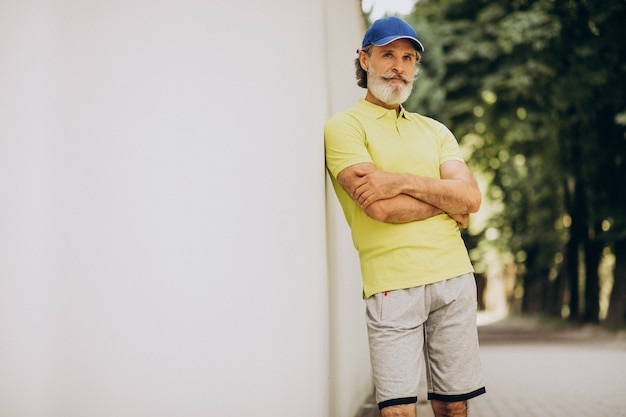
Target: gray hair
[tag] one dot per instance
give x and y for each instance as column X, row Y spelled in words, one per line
column 361, row 74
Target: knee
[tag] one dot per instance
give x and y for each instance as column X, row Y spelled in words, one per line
column 404, row 410
column 449, row 409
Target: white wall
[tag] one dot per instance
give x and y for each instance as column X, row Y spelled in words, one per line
column 351, row 381
column 163, row 247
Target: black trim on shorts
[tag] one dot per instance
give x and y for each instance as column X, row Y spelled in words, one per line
column 454, row 398
column 397, row 401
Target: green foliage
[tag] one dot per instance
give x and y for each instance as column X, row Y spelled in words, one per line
column 535, row 91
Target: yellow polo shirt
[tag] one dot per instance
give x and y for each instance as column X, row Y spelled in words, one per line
column 396, row 256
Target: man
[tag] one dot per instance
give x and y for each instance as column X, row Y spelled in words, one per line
column 405, row 190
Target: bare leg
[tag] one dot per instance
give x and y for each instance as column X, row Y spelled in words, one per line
column 405, row 410
column 449, row 409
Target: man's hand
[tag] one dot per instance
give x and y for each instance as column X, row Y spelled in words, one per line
column 375, row 185
column 400, row 208
column 382, row 196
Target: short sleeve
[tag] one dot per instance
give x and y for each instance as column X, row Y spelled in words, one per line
column 449, row 146
column 345, row 143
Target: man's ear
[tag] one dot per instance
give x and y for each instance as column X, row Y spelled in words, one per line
column 363, row 60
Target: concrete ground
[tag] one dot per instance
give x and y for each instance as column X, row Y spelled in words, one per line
column 537, row 370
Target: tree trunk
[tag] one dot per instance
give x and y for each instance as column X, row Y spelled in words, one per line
column 578, row 236
column 535, row 291
column 556, row 296
column 571, row 273
column 535, row 280
column 616, row 316
column 593, row 255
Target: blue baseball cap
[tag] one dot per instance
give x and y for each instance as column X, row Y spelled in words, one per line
column 387, row 30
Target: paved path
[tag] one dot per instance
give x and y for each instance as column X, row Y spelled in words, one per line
column 536, row 371
column 533, row 370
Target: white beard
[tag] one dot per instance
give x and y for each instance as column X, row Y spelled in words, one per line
column 389, row 92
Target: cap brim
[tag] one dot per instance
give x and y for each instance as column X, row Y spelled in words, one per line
column 386, row 41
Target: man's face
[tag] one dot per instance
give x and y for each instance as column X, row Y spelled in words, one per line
column 390, row 71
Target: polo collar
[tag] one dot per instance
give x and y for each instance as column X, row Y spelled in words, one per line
column 377, row 111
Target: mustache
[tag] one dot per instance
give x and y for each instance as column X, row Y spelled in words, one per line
column 390, row 75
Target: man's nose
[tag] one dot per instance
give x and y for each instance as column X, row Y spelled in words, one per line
column 397, row 66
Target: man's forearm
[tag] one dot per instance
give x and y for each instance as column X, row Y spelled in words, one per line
column 456, row 192
column 401, row 209
column 457, row 196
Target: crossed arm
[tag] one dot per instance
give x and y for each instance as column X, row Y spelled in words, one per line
column 402, row 198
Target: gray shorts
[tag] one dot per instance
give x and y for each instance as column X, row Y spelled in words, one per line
column 438, row 319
